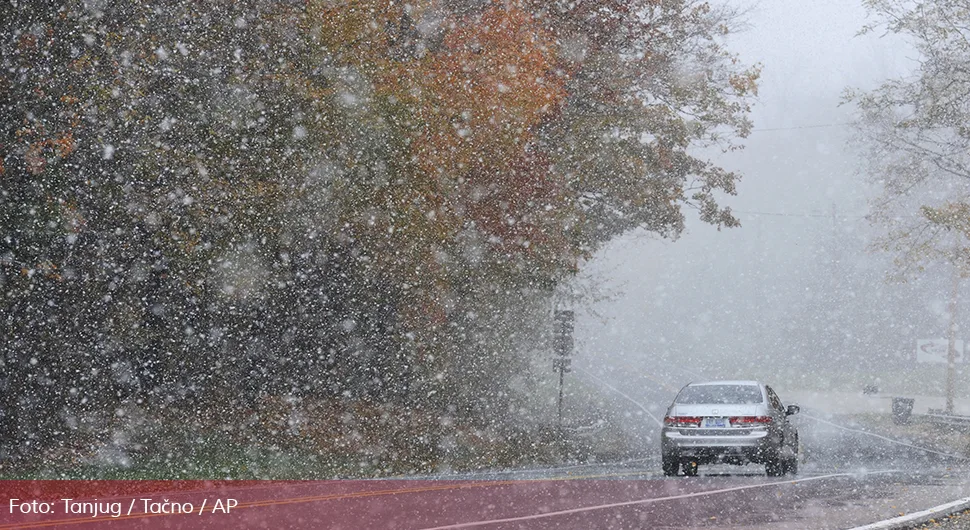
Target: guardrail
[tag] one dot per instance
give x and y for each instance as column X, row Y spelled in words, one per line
column 954, row 421
column 903, row 414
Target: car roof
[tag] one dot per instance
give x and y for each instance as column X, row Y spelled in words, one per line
column 732, row 382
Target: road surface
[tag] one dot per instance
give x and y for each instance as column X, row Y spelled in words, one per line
column 850, row 479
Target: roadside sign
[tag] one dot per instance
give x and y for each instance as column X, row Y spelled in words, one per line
column 562, row 341
column 934, row 351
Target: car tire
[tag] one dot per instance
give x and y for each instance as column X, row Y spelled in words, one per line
column 690, row 468
column 791, row 466
column 670, row 465
column 775, row 467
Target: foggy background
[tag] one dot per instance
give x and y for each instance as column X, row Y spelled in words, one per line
column 796, row 287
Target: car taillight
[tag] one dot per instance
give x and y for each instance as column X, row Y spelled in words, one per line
column 750, row 421
column 682, row 421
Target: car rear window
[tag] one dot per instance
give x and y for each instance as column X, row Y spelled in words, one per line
column 720, row 394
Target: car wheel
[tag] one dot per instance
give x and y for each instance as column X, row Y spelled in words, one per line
column 670, row 465
column 690, row 468
column 791, row 465
column 774, row 467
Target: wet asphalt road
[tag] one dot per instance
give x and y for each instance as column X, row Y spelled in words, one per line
column 849, row 479
column 919, row 479
column 615, row 497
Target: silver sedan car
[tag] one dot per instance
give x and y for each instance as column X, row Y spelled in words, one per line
column 733, row 422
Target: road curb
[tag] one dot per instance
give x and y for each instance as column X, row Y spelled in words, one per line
column 918, row 518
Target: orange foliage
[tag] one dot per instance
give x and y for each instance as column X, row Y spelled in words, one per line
column 467, row 95
column 474, row 97
column 493, row 81
column 514, row 208
column 362, row 32
column 36, row 155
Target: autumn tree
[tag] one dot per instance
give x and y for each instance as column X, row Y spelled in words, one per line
column 914, row 135
column 210, row 204
column 916, row 140
column 516, row 138
column 647, row 82
column 160, row 216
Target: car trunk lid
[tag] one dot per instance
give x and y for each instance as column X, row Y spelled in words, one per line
column 715, row 410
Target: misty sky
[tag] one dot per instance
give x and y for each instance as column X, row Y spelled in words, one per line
column 756, row 291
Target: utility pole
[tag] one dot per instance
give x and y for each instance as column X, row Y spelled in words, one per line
column 562, row 346
column 951, row 352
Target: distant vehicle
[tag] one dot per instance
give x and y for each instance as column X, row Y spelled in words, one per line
column 733, row 422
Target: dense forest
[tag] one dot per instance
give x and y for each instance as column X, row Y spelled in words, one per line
column 210, row 207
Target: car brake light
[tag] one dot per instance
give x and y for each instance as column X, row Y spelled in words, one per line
column 682, row 421
column 751, row 420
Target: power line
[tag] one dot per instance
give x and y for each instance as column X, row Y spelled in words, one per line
column 766, row 129
column 814, row 126
column 807, row 215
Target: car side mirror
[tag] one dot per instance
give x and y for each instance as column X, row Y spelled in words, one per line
column 792, row 409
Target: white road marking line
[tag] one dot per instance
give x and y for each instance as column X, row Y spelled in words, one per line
column 918, row 517
column 545, row 515
column 867, row 433
column 630, row 399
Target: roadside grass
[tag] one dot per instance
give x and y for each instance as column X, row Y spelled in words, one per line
column 286, row 438
column 188, row 454
column 283, row 439
column 902, row 380
column 919, row 431
column 617, row 429
column 224, row 463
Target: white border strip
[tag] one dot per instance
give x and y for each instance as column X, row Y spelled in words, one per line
column 867, row 433
column 647, row 501
column 915, row 518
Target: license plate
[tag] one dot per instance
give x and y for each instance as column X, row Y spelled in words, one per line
column 716, row 423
